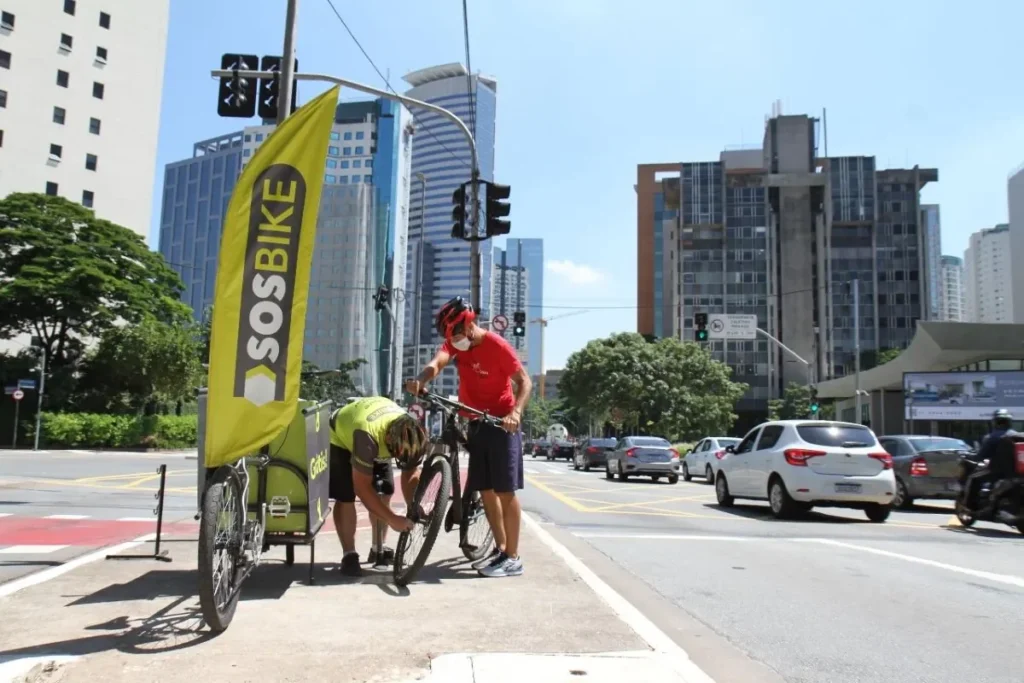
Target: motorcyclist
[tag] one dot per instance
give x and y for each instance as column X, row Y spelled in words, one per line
column 1002, row 425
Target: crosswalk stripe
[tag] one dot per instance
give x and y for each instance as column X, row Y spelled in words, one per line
column 31, row 549
column 66, row 517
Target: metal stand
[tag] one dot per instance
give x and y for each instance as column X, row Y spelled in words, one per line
column 378, row 530
column 157, row 554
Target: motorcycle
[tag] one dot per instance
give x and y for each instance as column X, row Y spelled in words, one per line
column 1009, row 508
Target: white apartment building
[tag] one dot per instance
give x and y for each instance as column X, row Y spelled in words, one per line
column 80, row 90
column 510, row 290
column 951, row 289
column 988, row 285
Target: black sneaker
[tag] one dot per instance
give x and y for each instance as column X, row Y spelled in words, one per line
column 387, row 557
column 350, row 565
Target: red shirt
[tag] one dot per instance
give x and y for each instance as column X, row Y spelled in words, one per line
column 485, row 374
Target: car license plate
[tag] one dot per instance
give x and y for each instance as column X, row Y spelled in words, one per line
column 847, row 488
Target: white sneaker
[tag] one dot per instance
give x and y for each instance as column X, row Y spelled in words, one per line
column 508, row 566
column 489, row 559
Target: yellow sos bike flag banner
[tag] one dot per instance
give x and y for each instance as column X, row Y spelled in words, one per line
column 259, row 307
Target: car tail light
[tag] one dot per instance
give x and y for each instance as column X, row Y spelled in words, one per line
column 798, row 457
column 886, row 460
column 720, row 454
column 592, row 449
column 1018, row 449
column 631, row 453
column 919, row 468
column 674, row 453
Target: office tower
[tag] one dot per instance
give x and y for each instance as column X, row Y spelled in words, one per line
column 365, row 202
column 1015, row 204
column 80, row 89
column 511, row 286
column 988, row 276
column 951, row 289
column 932, row 226
column 532, row 258
column 782, row 233
column 440, row 163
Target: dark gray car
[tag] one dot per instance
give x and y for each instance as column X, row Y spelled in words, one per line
column 925, row 466
column 593, row 452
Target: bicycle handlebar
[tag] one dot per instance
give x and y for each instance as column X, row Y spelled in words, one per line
column 455, row 406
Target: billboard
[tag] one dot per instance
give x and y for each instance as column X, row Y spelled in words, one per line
column 962, row 395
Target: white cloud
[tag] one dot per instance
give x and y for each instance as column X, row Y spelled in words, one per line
column 574, row 273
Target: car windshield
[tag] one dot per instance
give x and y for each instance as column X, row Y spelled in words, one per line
column 648, row 441
column 725, row 443
column 938, row 444
column 607, row 443
column 835, row 434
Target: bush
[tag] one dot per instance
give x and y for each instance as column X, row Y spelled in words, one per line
column 683, row 448
column 90, row 430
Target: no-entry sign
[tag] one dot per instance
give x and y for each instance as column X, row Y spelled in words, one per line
column 18, row 395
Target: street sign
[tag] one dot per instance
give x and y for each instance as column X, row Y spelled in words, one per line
column 725, row 326
column 10, row 390
column 18, row 395
column 26, row 384
column 416, row 410
column 499, row 323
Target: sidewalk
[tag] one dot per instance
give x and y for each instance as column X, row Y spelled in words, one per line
column 139, row 620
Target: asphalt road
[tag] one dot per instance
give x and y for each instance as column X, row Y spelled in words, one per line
column 57, row 505
column 827, row 598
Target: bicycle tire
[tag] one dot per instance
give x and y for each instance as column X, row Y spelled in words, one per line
column 403, row 574
column 469, row 503
column 218, row 618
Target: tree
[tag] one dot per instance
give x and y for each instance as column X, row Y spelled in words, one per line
column 66, row 275
column 886, row 355
column 330, row 385
column 795, row 404
column 670, row 388
column 136, row 366
column 538, row 415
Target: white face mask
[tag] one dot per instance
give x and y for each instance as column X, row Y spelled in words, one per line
column 461, row 345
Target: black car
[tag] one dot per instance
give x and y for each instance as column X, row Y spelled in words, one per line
column 593, row 453
column 561, row 449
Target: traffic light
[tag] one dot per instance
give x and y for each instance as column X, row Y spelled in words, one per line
column 381, row 298
column 237, row 96
column 270, row 88
column 815, row 405
column 700, row 325
column 459, row 212
column 497, row 209
column 519, row 324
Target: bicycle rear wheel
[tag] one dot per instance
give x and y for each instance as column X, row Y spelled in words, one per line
column 431, row 497
column 476, row 537
column 221, row 531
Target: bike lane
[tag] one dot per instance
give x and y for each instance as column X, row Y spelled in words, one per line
column 139, row 620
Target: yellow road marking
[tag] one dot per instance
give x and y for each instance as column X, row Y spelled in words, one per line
column 645, row 503
column 557, row 495
column 132, row 475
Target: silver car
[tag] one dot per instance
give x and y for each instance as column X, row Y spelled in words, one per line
column 646, row 456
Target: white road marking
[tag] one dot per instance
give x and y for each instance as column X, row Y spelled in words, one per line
column 6, row 514
column 137, row 519
column 31, row 549
column 656, row 639
column 12, row 587
column 529, row 471
column 66, row 517
column 1007, row 579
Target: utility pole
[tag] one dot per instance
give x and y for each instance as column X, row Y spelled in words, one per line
column 418, row 298
column 287, row 83
column 856, row 345
column 42, row 390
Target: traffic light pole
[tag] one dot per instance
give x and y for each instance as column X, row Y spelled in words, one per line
column 286, row 84
column 812, row 379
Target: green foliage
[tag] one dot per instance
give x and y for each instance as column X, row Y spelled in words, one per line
column 538, row 416
column 332, row 385
column 135, row 366
column 668, row 388
column 66, row 275
column 886, row 355
column 795, row 404
column 90, row 430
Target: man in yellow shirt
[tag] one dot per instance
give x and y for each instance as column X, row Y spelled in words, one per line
column 365, row 435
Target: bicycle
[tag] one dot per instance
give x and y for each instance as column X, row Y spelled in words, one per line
column 466, row 509
column 233, row 523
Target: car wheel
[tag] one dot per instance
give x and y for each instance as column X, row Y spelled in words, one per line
column 709, row 476
column 586, row 466
column 673, row 479
column 607, row 471
column 877, row 513
column 655, row 478
column 722, row 492
column 902, row 499
column 622, row 473
column 576, row 464
column 686, row 473
column 781, row 503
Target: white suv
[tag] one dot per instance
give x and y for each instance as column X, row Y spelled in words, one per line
column 799, row 464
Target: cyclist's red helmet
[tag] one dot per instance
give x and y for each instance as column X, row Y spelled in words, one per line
column 456, row 311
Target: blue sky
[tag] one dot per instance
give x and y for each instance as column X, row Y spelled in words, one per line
column 587, row 89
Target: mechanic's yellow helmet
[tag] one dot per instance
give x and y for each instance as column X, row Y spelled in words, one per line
column 406, row 440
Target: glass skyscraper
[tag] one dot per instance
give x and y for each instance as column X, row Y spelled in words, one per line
column 533, row 260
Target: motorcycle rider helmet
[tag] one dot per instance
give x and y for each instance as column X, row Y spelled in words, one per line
column 456, row 311
column 1002, row 419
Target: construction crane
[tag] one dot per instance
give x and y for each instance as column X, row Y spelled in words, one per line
column 543, row 322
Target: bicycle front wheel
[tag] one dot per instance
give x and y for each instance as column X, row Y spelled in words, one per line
column 476, row 535
column 432, row 495
column 221, row 531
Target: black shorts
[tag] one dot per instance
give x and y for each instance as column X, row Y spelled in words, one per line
column 495, row 459
column 341, row 487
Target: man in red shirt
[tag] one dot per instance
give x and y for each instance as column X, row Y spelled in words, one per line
column 488, row 366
